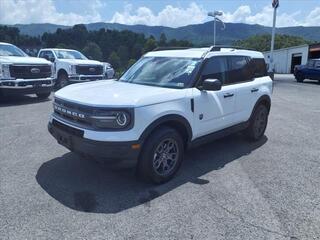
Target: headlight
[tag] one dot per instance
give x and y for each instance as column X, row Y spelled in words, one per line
column 112, row 120
column 53, row 69
column 4, row 71
column 72, row 69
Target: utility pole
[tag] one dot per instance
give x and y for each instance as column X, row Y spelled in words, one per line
column 215, row 19
column 275, row 5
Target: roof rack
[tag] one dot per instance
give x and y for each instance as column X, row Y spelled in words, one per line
column 218, row 48
column 169, row 48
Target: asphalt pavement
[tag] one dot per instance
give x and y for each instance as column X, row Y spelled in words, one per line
column 228, row 189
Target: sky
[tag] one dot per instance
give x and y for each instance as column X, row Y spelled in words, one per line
column 171, row 13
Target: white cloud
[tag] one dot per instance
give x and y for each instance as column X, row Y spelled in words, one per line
column 313, row 19
column 265, row 17
column 169, row 16
column 44, row 11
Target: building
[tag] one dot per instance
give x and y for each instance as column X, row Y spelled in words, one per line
column 287, row 58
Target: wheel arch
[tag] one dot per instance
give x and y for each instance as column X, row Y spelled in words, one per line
column 62, row 71
column 175, row 121
column 265, row 100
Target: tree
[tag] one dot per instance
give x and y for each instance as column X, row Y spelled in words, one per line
column 163, row 40
column 123, row 55
column 150, row 45
column 114, row 60
column 93, row 51
column 262, row 42
column 131, row 62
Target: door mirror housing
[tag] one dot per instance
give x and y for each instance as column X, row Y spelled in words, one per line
column 211, row 85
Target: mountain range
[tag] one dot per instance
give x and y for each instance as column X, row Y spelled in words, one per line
column 199, row 34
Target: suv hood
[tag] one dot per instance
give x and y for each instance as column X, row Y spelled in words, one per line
column 80, row 61
column 23, row 60
column 110, row 93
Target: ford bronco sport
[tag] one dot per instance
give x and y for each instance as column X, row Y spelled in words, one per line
column 167, row 102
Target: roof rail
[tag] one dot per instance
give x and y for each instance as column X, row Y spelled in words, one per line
column 218, row 48
column 169, row 48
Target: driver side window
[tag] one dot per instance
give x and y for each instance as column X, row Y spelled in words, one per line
column 215, row 68
column 47, row 55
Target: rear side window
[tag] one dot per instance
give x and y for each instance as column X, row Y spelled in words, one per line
column 259, row 67
column 239, row 70
column 215, row 68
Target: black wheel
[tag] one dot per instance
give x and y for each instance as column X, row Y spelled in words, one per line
column 62, row 81
column 161, row 156
column 299, row 78
column 43, row 95
column 258, row 123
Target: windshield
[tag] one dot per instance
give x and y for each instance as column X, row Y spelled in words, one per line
column 69, row 54
column 162, row 71
column 10, row 50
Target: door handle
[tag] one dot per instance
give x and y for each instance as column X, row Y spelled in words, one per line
column 254, row 90
column 227, row 95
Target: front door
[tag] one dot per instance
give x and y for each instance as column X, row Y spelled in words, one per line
column 213, row 110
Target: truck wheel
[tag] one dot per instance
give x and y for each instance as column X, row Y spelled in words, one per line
column 299, row 78
column 62, row 81
column 258, row 123
column 43, row 95
column 161, row 156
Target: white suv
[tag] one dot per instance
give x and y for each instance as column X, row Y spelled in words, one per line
column 21, row 74
column 72, row 66
column 167, row 102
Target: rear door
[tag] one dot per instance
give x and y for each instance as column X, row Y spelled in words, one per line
column 246, row 76
column 213, row 110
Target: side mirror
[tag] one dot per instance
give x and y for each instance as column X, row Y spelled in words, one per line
column 211, row 85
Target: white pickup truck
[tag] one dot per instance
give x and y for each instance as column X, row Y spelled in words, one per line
column 21, row 74
column 72, row 66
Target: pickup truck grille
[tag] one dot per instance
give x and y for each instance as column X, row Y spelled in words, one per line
column 30, row 71
column 89, row 69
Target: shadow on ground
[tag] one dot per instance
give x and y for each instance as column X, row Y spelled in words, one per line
column 87, row 186
column 16, row 100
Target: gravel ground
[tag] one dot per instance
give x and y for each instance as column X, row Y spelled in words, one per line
column 228, row 189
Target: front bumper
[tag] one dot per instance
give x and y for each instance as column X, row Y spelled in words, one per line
column 85, row 78
column 115, row 153
column 26, row 86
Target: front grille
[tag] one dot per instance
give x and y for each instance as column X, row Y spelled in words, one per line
column 89, row 69
column 68, row 129
column 30, row 71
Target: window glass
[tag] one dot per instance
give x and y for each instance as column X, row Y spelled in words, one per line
column 215, row 68
column 258, row 67
column 162, row 71
column 311, row 63
column 317, row 65
column 239, row 70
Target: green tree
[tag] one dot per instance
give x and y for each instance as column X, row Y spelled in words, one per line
column 114, row 60
column 93, row 51
column 131, row 62
column 262, row 42
column 150, row 45
column 163, row 40
column 123, row 55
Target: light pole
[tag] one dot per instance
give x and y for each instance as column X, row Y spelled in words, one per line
column 215, row 18
column 275, row 5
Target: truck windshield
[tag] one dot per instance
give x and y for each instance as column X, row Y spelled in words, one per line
column 69, row 54
column 10, row 50
column 162, row 71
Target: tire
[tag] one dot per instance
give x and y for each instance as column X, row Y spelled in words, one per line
column 62, row 80
column 299, row 78
column 154, row 163
column 258, row 123
column 43, row 95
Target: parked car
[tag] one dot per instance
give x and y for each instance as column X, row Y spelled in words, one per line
column 21, row 74
column 167, row 102
column 72, row 66
column 309, row 71
column 108, row 70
